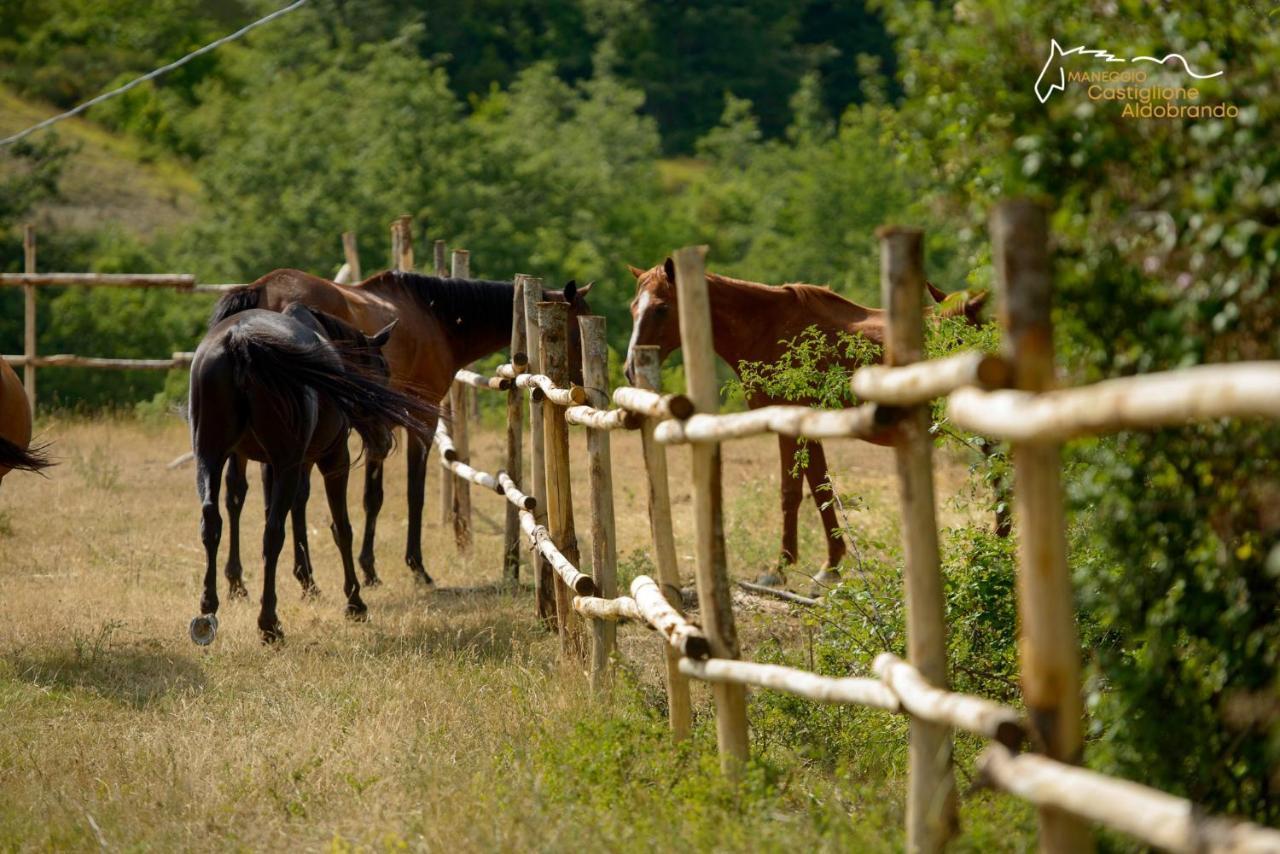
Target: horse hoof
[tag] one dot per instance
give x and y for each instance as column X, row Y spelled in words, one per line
column 238, row 590
column 769, row 578
column 372, row 580
column 310, row 591
column 824, row 581
column 204, row 629
column 272, row 635
column 425, row 581
column 357, row 613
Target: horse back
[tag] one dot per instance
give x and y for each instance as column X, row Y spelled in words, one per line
column 15, row 412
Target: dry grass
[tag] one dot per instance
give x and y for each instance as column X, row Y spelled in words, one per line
column 441, row 724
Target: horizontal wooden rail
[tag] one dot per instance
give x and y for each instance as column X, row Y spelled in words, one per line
column 602, row 419
column 659, row 613
column 580, row 584
column 574, row 395
column 69, row 360
column 651, row 403
column 854, row 690
column 1152, row 816
column 962, row 711
column 618, row 610
column 471, row 378
column 444, row 442
column 513, row 493
column 778, row 593
column 859, row 422
column 518, row 365
column 180, row 281
column 473, row 475
column 1169, row 398
column 921, row 382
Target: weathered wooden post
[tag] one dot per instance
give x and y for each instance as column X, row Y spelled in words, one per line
column 543, row 578
column 446, row 406
column 931, row 795
column 648, row 369
column 553, row 323
column 29, row 316
column 351, row 254
column 458, row 430
column 1048, row 647
column 404, row 260
column 396, row 250
column 515, row 441
column 714, row 593
column 604, row 557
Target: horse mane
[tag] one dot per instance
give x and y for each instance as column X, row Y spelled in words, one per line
column 809, row 297
column 455, row 302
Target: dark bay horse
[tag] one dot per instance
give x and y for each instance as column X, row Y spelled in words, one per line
column 445, row 324
column 286, row 389
column 15, row 427
column 752, row 322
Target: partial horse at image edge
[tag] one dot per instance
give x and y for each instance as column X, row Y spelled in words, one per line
column 16, row 451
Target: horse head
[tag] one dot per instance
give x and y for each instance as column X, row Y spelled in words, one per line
column 576, row 298
column 965, row 303
column 655, row 319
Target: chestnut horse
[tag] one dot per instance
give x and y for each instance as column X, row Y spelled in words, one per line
column 286, row 389
column 444, row 325
column 751, row 322
column 15, row 427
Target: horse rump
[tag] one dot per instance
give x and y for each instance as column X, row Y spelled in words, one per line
column 33, row 458
column 235, row 301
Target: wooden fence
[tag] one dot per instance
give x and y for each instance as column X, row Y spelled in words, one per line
column 1009, row 397
column 30, row 281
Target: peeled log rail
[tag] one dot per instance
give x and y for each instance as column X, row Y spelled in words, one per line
column 923, row 381
column 602, row 419
column 1169, row 398
column 778, row 593
column 514, row 495
column 541, row 538
column 614, row 610
column 657, row 612
column 445, row 444
column 181, row 281
column 572, row 396
column 853, row 690
column 644, row 402
column 69, row 360
column 860, row 422
column 518, row 365
column 1156, row 818
column 471, row 378
column 963, row 711
column 466, row 472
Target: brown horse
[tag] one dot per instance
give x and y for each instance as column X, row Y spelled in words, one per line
column 751, row 322
column 15, row 427
column 444, row 325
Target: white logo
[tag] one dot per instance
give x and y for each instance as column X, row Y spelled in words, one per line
column 1045, row 85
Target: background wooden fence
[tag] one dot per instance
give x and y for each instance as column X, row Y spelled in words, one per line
column 1010, row 397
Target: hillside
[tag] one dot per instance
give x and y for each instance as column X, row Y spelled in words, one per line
column 109, row 179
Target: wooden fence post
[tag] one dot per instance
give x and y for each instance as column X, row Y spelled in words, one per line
column 715, row 599
column 446, row 405
column 458, row 430
column 352, row 255
column 29, row 316
column 931, row 793
column 553, row 323
column 515, row 441
column 543, row 578
column 404, row 260
column 604, row 556
column 648, row 369
column 1049, row 647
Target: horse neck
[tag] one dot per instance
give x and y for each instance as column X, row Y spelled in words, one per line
column 743, row 315
column 480, row 337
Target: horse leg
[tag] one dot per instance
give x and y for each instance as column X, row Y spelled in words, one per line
column 237, row 489
column 335, row 468
column 208, row 471
column 372, row 506
column 417, row 451
column 816, row 475
column 301, row 553
column 284, row 486
column 792, row 494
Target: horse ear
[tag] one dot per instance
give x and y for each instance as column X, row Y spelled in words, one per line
column 934, row 291
column 570, row 291
column 383, row 335
column 635, row 271
column 974, row 304
column 669, row 267
column 585, row 289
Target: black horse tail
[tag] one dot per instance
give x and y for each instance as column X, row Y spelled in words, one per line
column 33, row 458
column 284, row 366
column 235, row 301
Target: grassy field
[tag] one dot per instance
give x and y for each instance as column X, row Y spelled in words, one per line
column 444, row 723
